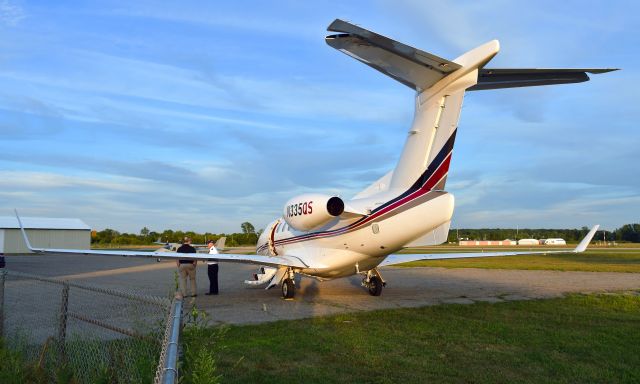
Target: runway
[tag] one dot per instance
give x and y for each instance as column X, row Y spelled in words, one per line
column 406, row 287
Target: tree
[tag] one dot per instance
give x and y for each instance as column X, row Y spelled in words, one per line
column 144, row 232
column 247, row 227
column 630, row 232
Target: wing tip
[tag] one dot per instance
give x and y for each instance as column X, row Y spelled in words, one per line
column 24, row 233
column 584, row 243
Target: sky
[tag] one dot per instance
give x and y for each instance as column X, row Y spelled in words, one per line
column 203, row 115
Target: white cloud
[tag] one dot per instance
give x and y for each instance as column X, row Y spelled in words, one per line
column 10, row 13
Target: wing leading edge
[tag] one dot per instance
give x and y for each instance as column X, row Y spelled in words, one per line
column 405, row 258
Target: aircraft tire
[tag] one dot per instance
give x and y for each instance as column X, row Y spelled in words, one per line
column 288, row 289
column 375, row 286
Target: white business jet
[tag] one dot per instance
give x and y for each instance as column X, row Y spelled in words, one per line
column 326, row 237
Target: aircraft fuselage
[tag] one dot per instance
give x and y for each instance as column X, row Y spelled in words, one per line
column 347, row 246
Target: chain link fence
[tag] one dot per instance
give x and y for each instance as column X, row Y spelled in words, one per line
column 98, row 334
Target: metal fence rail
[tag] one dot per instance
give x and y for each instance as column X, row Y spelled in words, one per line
column 99, row 333
column 167, row 371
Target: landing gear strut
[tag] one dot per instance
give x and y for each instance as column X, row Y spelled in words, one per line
column 374, row 282
column 288, row 285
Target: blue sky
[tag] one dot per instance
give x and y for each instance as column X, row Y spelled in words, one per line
column 202, row 115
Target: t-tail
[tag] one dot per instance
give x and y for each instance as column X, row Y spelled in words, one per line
column 440, row 85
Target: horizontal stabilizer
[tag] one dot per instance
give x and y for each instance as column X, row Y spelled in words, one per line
column 410, row 66
column 525, row 77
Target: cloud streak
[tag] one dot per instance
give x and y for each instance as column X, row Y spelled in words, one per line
column 10, row 14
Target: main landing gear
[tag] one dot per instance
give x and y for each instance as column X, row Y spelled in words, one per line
column 374, row 282
column 288, row 285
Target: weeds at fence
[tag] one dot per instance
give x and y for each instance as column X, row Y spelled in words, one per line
column 122, row 362
column 18, row 369
column 201, row 345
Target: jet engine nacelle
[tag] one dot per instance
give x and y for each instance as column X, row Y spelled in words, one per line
column 311, row 210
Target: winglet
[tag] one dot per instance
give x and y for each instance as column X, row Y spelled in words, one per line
column 24, row 233
column 587, row 239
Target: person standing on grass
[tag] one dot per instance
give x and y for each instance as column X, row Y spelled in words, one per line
column 187, row 268
column 212, row 270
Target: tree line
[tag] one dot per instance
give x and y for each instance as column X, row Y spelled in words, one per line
column 626, row 233
column 108, row 236
column 249, row 236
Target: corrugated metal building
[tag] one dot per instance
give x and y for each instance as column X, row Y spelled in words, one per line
column 43, row 232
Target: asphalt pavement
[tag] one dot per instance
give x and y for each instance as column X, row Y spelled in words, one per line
column 238, row 303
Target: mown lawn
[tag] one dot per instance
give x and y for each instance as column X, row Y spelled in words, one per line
column 595, row 261
column 578, row 339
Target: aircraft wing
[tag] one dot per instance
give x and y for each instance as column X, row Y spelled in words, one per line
column 275, row 261
column 405, row 258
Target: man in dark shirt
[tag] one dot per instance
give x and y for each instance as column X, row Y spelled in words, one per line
column 187, row 268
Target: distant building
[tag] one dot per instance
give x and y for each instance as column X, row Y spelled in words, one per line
column 486, row 242
column 528, row 242
column 555, row 242
column 43, row 233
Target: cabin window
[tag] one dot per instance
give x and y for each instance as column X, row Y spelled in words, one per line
column 375, row 228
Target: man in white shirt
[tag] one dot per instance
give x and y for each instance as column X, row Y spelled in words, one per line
column 212, row 270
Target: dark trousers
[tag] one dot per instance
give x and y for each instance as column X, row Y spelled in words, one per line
column 212, row 271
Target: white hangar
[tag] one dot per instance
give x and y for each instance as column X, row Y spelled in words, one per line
column 43, row 232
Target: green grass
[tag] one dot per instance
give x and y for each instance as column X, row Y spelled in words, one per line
column 578, row 339
column 595, row 261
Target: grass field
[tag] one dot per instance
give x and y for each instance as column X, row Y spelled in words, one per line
column 578, row 339
column 597, row 260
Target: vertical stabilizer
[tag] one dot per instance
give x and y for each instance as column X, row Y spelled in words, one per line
column 427, row 150
column 439, row 84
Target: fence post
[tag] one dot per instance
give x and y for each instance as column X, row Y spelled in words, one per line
column 2, row 277
column 170, row 369
column 62, row 325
